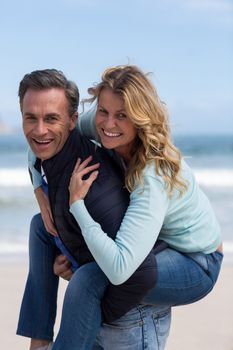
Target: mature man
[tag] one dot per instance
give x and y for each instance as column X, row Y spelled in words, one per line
column 48, row 103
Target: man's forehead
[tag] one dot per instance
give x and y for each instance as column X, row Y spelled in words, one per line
column 54, row 97
column 46, row 93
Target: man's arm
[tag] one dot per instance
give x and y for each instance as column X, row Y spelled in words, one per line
column 45, row 210
column 36, row 177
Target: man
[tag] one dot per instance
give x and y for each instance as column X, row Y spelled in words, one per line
column 48, row 103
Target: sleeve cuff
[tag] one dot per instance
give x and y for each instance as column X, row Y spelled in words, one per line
column 80, row 213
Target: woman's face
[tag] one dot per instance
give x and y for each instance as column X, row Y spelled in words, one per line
column 115, row 129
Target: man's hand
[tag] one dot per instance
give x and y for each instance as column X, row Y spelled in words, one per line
column 45, row 210
column 61, row 267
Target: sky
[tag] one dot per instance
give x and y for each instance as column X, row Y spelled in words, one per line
column 187, row 45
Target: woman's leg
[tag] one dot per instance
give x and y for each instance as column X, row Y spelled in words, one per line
column 81, row 314
column 183, row 278
column 38, row 309
column 144, row 327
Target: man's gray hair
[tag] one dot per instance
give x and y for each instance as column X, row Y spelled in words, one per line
column 47, row 79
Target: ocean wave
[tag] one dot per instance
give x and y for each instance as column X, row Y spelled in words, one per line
column 14, row 250
column 214, row 177
column 17, row 177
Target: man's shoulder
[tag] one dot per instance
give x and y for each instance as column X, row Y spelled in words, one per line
column 91, row 148
column 109, row 171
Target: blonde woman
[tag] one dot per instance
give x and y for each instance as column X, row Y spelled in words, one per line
column 165, row 200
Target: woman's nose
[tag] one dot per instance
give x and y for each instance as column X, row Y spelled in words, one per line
column 110, row 122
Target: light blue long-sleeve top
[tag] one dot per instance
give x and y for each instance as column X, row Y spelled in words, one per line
column 186, row 223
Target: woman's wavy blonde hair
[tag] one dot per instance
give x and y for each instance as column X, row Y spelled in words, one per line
column 149, row 116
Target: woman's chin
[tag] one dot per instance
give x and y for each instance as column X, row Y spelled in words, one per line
column 108, row 144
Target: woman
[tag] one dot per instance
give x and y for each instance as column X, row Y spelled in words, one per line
column 165, row 200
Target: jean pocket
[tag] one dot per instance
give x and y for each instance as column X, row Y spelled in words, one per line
column 123, row 325
column 201, row 259
column 123, row 336
column 162, row 323
column 130, row 320
column 218, row 254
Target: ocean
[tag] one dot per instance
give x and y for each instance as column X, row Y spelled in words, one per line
column 211, row 158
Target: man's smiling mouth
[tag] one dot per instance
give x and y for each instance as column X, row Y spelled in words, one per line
column 42, row 142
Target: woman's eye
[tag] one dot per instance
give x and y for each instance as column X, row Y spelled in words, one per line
column 102, row 111
column 121, row 116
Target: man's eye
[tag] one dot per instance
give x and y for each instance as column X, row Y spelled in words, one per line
column 51, row 118
column 30, row 118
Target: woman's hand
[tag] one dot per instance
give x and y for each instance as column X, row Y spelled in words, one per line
column 45, row 210
column 61, row 267
column 78, row 187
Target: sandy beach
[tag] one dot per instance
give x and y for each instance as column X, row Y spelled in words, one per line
column 206, row 325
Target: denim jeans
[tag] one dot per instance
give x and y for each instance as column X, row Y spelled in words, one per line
column 182, row 279
column 144, row 327
column 81, row 315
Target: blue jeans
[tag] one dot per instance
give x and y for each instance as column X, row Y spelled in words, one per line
column 144, row 327
column 81, row 314
column 182, row 279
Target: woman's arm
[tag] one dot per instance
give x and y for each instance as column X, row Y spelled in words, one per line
column 137, row 235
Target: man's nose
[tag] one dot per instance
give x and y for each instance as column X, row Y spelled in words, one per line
column 40, row 128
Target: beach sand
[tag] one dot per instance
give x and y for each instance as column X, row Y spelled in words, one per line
column 205, row 325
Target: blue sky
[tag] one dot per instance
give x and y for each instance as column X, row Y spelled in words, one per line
column 186, row 44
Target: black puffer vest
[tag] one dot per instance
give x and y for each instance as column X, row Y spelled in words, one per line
column 106, row 202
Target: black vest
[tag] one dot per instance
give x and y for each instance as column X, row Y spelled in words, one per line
column 106, row 201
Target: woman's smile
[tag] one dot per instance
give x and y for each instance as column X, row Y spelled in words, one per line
column 115, row 129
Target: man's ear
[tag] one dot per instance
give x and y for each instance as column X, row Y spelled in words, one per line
column 74, row 119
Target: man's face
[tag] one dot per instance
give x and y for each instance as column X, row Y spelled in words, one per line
column 46, row 121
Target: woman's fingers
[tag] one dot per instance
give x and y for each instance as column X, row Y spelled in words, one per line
column 92, row 178
column 79, row 187
column 87, row 170
column 80, row 166
column 77, row 165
